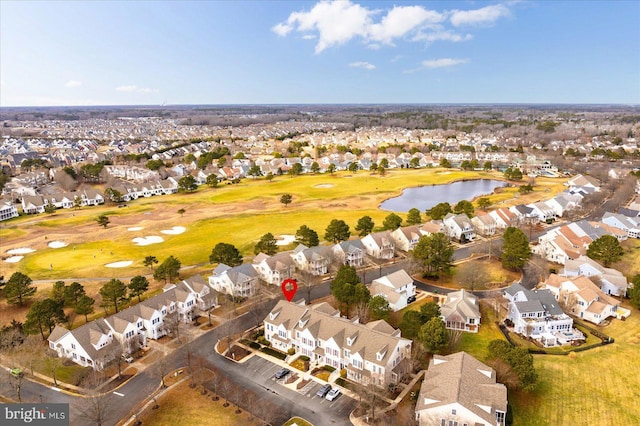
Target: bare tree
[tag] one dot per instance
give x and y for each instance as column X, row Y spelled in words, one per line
column 32, row 350
column 95, row 407
column 472, row 275
column 362, row 311
column 454, row 339
column 505, row 374
column 52, row 362
column 171, row 324
column 16, row 376
column 224, row 389
column 306, row 281
column 161, row 368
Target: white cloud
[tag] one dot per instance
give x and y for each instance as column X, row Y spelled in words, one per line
column 401, row 20
column 443, row 62
column 442, row 35
column 336, row 22
column 134, row 88
column 485, row 16
column 282, row 29
column 73, row 83
column 362, row 64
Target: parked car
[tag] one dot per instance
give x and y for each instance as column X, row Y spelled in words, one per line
column 322, row 392
column 411, row 299
column 282, row 373
column 333, row 394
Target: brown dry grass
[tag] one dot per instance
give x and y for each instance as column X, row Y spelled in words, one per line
column 185, row 406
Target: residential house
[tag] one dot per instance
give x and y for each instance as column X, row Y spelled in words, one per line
column 484, row 224
column 91, row 197
column 538, row 315
column 584, row 182
column 274, row 269
column 32, row 204
column 205, row 298
column 372, row 353
column 90, row 345
column 7, row 209
column 583, row 298
column 237, row 281
column 314, row 260
column 379, row 245
column 350, row 252
column 461, row 312
column 397, row 288
column 459, row 227
column 561, row 244
column 610, row 281
column 542, row 211
column 460, row 390
column 504, row 218
column 631, row 225
column 431, row 227
column 406, row 237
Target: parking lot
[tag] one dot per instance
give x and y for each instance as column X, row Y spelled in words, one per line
column 263, row 372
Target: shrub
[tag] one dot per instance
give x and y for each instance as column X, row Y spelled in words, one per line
column 329, row 368
column 269, row 351
column 343, row 373
column 304, row 358
column 254, row 345
column 291, row 351
column 341, row 382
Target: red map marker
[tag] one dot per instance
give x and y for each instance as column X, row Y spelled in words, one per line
column 289, row 288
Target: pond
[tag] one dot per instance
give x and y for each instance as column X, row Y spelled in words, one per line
column 425, row 197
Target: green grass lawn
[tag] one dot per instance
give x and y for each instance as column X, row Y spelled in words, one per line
column 237, row 214
column 599, row 386
column 476, row 344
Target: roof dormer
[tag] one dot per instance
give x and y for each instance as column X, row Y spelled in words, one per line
column 352, row 339
column 274, row 314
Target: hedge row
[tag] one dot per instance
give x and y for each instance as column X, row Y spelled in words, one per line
column 281, row 356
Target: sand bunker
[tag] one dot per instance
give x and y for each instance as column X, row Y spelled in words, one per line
column 122, row 264
column 57, row 244
column 284, row 240
column 22, row 250
column 174, row 231
column 154, row 239
column 135, row 228
column 324, row 185
column 14, row 259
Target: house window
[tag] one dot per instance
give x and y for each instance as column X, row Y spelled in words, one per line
column 73, row 346
column 453, row 412
column 443, row 422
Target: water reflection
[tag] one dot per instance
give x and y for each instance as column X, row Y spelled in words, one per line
column 425, row 197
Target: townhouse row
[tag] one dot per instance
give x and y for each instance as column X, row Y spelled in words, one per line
column 98, row 342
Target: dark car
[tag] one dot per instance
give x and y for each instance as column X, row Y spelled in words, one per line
column 324, row 390
column 411, row 299
column 282, row 373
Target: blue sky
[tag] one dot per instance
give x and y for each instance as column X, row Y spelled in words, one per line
column 257, row 52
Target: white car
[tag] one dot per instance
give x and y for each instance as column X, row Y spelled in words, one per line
column 333, row 394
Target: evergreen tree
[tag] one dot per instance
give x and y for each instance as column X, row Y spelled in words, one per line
column 337, row 231
column 18, row 288
column 267, row 245
column 606, row 249
column 307, row 236
column 225, row 253
column 364, row 226
column 413, row 217
column 515, row 249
